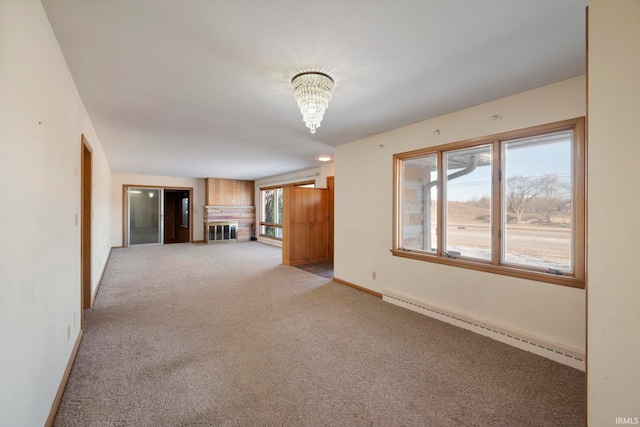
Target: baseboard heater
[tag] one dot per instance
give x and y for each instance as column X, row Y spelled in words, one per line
column 215, row 232
column 566, row 356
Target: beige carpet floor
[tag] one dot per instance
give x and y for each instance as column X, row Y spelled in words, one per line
column 224, row 335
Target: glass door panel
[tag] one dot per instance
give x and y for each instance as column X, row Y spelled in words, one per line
column 144, row 216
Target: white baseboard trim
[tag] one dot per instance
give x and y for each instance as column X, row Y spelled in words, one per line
column 553, row 351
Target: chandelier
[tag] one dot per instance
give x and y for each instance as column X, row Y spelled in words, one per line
column 312, row 91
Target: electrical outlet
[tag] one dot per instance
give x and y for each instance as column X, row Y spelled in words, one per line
column 373, row 275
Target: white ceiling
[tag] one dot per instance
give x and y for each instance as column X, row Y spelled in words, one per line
column 200, row 88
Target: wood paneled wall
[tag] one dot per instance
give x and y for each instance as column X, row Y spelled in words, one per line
column 229, row 192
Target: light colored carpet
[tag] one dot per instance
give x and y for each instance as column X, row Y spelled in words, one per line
column 223, row 335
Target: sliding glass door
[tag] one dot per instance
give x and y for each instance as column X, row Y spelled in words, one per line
column 144, row 216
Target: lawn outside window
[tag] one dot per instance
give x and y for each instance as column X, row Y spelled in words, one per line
column 511, row 204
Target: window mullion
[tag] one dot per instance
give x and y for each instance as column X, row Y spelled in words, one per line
column 496, row 205
column 442, row 174
column 578, row 239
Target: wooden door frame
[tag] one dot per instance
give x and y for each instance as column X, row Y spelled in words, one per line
column 331, row 188
column 86, row 183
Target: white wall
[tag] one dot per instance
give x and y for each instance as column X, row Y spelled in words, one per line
column 614, row 237
column 101, row 210
column 327, row 169
column 363, row 223
column 121, row 179
column 41, row 121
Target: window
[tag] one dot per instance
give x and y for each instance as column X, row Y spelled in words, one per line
column 509, row 204
column 271, row 209
column 271, row 212
column 185, row 212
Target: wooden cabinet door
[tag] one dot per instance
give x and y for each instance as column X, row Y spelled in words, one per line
column 305, row 225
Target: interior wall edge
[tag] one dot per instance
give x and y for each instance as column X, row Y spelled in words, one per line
column 63, row 382
column 104, row 268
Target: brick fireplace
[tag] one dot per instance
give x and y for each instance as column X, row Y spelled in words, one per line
column 244, row 216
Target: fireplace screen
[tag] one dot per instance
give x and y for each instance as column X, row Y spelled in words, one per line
column 220, row 231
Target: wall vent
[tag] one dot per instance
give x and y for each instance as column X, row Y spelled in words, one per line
column 570, row 357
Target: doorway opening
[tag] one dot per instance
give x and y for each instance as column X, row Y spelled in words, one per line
column 177, row 210
column 86, row 160
column 157, row 215
column 308, row 232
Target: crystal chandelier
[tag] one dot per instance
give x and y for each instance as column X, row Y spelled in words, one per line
column 312, row 91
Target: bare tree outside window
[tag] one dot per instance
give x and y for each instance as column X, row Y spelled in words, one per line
column 521, row 190
column 554, row 197
column 537, row 188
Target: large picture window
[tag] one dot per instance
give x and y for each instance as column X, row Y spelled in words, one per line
column 271, row 212
column 271, row 209
column 511, row 204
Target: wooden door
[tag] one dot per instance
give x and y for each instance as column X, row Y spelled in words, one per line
column 305, row 225
column 86, row 164
column 330, row 189
column 169, row 217
column 183, row 223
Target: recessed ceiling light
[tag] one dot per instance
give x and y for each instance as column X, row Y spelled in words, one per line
column 324, row 158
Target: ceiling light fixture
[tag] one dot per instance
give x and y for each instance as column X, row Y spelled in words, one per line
column 312, row 91
column 324, row 158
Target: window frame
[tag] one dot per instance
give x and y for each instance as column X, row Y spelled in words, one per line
column 309, row 184
column 575, row 279
column 275, row 214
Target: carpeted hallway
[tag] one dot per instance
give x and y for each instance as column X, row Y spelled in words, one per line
column 224, row 335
